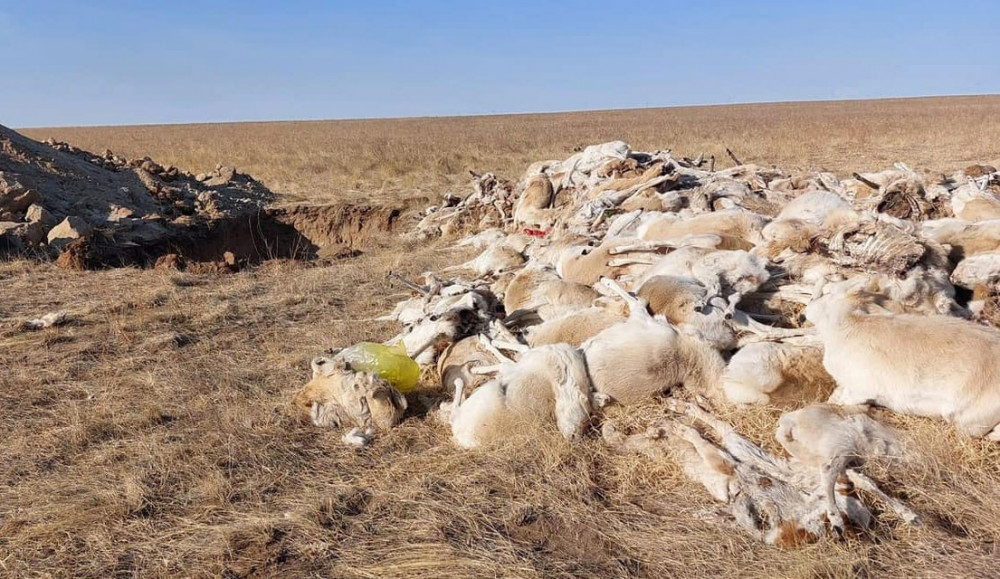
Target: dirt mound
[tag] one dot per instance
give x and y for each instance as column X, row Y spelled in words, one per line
column 105, row 210
column 348, row 225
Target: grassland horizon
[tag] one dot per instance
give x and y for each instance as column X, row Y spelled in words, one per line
column 334, row 119
column 383, row 158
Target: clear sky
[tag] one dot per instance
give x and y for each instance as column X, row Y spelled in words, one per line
column 87, row 62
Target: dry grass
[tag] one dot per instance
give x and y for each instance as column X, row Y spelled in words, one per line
column 152, row 437
column 341, row 159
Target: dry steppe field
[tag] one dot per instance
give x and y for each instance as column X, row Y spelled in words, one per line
column 333, row 160
column 151, row 436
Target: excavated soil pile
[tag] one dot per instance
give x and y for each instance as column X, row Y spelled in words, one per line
column 92, row 211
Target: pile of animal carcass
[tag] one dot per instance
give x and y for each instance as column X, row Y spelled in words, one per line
column 615, row 276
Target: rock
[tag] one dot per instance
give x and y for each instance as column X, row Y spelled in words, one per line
column 18, row 200
column 183, row 221
column 118, row 213
column 201, row 177
column 38, row 214
column 223, row 176
column 18, row 234
column 149, row 166
column 229, row 259
column 33, row 233
column 71, row 228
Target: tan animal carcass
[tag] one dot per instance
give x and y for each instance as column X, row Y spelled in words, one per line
column 546, row 383
column 541, row 288
column 832, row 439
column 777, row 373
column 338, row 397
column 534, row 206
column 681, row 301
column 643, row 356
column 573, row 328
column 934, row 366
column 737, row 228
column 587, row 264
column 964, row 237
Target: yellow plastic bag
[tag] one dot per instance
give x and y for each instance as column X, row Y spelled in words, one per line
column 389, row 363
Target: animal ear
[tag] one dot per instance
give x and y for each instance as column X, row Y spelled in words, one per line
column 323, row 366
column 820, row 288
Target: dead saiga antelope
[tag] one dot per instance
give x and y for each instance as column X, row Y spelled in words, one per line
column 338, row 397
column 546, row 382
column 646, row 355
column 783, row 502
column 626, row 363
column 933, row 366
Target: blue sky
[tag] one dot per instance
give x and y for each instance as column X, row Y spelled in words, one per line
column 103, row 62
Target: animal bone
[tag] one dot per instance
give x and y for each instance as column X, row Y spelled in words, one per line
column 488, row 344
column 643, row 246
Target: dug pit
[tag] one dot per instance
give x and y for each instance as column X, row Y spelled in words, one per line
column 92, row 211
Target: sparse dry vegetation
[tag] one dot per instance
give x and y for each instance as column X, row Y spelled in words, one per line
column 151, row 436
column 382, row 158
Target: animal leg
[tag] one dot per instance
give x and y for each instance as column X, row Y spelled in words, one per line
column 358, row 437
column 829, row 475
column 636, row 306
column 642, row 246
column 456, row 403
column 634, row 260
column 868, row 485
column 742, row 321
column 425, row 292
column 487, row 343
column 734, row 298
column 599, row 399
column 844, row 397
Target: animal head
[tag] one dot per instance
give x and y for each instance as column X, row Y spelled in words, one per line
column 794, row 234
column 321, row 389
column 832, row 302
column 346, row 398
